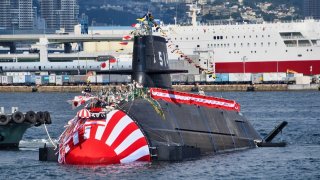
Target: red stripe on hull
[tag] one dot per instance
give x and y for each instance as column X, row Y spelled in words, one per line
column 133, row 147
column 111, row 124
column 269, row 66
column 145, row 158
column 124, row 134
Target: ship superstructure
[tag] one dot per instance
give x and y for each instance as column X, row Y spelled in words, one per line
column 244, row 47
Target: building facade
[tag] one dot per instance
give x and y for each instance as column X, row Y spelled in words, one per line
column 60, row 14
column 312, row 8
column 16, row 14
column 25, row 14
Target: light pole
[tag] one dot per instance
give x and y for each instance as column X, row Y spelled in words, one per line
column 92, row 21
column 78, row 59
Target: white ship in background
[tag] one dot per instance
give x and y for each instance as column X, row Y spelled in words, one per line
column 228, row 48
column 250, row 48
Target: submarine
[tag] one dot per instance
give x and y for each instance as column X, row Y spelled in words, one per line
column 152, row 122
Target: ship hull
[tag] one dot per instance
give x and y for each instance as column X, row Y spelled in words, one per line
column 11, row 134
column 301, row 66
column 181, row 132
column 207, row 130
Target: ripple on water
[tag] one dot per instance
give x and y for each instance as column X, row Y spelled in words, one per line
column 299, row 160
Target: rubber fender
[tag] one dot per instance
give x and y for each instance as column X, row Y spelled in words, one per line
column 4, row 120
column 18, row 117
column 31, row 117
column 47, row 117
column 40, row 117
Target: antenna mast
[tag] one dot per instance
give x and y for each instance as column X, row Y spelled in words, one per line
column 194, row 9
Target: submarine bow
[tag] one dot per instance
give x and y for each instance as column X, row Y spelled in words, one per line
column 112, row 140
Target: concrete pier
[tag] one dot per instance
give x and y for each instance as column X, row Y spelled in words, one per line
column 234, row 87
column 206, row 88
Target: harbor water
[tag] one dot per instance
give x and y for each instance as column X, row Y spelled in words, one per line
column 300, row 159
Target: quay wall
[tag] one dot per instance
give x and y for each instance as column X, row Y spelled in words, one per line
column 206, row 88
column 234, row 87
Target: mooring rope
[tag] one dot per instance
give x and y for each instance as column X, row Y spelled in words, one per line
column 45, row 127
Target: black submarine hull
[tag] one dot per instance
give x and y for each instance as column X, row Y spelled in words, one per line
column 189, row 131
column 182, row 130
column 156, row 123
